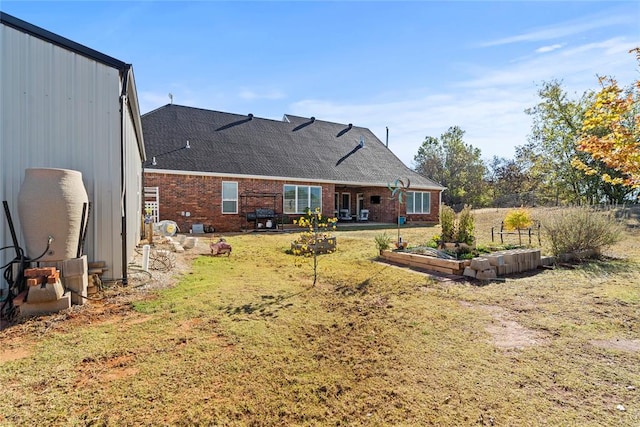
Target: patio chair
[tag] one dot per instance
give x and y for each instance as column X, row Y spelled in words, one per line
column 364, row 215
column 345, row 215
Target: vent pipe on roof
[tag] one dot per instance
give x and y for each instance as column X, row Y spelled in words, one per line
column 350, row 125
column 313, row 119
column 250, row 116
column 387, row 136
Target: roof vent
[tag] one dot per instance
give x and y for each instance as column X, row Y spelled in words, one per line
column 350, row 125
column 250, row 116
column 313, row 119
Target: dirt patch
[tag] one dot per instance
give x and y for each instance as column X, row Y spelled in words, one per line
column 112, row 305
column 507, row 333
column 9, row 354
column 617, row 344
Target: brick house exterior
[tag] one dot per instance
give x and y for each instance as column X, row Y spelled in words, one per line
column 282, row 166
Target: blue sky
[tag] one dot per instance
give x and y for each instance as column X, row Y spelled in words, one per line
column 416, row 67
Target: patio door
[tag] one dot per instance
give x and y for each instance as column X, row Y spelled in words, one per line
column 346, row 201
column 359, row 203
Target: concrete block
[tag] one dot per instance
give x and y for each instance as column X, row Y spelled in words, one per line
column 495, row 259
column 547, row 260
column 45, row 292
column 75, row 267
column 470, row 272
column 486, row 274
column 34, row 309
column 501, row 270
column 509, row 257
column 78, row 286
column 480, row 264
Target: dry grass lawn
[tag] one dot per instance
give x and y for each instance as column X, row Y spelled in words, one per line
column 247, row 341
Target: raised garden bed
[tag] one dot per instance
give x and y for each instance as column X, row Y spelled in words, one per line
column 488, row 266
column 426, row 262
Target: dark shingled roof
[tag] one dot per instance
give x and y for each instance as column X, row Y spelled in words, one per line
column 295, row 148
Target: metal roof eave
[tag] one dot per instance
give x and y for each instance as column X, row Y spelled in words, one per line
column 58, row 40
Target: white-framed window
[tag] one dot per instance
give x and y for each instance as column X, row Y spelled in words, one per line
column 418, row 202
column 297, row 198
column 229, row 197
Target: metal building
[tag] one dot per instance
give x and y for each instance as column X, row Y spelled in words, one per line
column 64, row 105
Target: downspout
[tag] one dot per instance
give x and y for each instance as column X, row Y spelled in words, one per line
column 123, row 172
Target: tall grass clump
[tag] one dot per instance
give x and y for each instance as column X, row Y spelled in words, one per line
column 580, row 229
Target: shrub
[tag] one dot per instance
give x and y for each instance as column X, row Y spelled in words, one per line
column 580, row 229
column 448, row 223
column 466, row 226
column 459, row 230
column 518, row 219
column 434, row 242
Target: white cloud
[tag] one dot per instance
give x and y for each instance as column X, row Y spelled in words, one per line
column 489, row 108
column 563, row 29
column 576, row 66
column 494, row 124
column 551, row 48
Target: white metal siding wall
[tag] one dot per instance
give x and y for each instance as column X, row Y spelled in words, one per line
column 60, row 109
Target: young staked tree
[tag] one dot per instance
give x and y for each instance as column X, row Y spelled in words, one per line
column 611, row 132
column 456, row 165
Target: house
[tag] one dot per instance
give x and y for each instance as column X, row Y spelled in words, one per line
column 229, row 172
column 67, row 106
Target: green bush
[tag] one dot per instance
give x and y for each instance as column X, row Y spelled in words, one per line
column 448, row 223
column 458, row 230
column 434, row 242
column 466, row 226
column 580, row 229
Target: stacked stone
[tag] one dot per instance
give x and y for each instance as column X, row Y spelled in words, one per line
column 503, row 263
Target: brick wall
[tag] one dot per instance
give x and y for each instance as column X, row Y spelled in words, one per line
column 201, row 196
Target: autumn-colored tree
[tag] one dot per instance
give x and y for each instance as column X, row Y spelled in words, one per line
column 611, row 132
